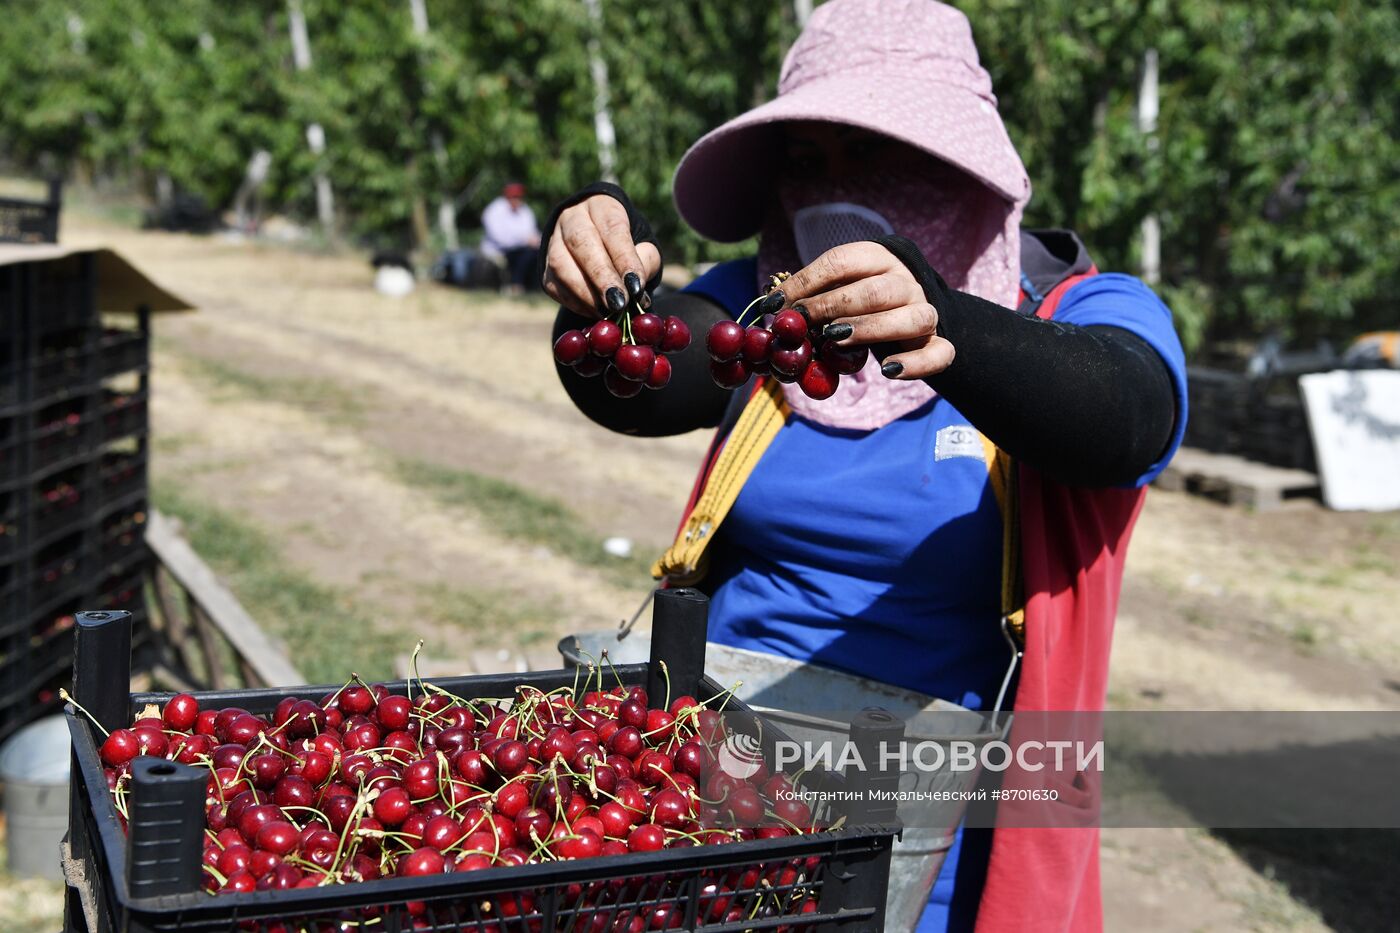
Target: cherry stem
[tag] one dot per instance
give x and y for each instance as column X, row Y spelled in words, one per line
column 725, row 695
column 298, row 860
column 119, row 800
column 677, row 833
column 739, row 319
column 413, row 667
column 308, row 810
column 66, row 697
column 354, row 678
column 577, row 671
column 612, row 667
column 666, row 676
column 282, row 751
column 361, row 800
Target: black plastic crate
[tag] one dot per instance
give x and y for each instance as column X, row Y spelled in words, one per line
column 12, row 524
column 34, row 650
column 12, row 582
column 61, row 432
column 123, row 414
column 122, row 535
column 60, row 502
column 148, row 880
column 122, row 350
column 57, row 371
column 54, row 504
column 62, row 294
column 50, row 647
column 120, row 475
column 25, row 221
column 14, row 599
column 59, row 570
column 121, row 586
column 11, row 334
column 12, row 444
column 1260, row 418
column 10, row 387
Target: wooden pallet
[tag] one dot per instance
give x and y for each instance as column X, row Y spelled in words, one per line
column 1236, row 480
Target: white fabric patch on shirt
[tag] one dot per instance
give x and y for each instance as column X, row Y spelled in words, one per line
column 957, row 440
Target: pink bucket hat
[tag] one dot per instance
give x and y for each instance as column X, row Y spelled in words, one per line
column 906, row 69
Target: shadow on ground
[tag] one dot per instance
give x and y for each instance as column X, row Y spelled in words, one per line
column 1346, row 875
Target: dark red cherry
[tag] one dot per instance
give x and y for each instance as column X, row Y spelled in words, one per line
column 676, row 336
column 791, row 361
column 619, row 385
column 634, row 361
column 648, row 329
column 790, row 328
column 604, row 338
column 819, row 380
column 845, row 360
column 571, row 347
column 660, row 375
column 725, row 341
column 730, row 375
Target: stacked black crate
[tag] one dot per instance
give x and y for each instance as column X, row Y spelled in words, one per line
column 73, row 451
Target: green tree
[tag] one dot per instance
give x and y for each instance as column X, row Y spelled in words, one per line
column 1275, row 172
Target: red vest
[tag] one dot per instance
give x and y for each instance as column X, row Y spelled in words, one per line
column 1074, row 542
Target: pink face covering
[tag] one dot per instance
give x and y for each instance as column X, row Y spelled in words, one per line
column 969, row 234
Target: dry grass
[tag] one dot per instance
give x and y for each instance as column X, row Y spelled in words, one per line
column 411, row 468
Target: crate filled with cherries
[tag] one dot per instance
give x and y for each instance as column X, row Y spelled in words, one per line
column 603, row 798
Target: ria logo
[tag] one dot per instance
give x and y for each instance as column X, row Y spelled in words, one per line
column 740, row 756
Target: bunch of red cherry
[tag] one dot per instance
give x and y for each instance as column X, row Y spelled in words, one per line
column 789, row 349
column 627, row 349
column 366, row 784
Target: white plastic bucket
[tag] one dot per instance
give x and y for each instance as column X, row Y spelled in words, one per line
column 34, row 767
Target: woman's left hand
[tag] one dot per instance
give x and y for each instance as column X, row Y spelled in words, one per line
column 863, row 295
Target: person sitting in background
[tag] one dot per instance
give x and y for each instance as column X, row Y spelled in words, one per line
column 512, row 237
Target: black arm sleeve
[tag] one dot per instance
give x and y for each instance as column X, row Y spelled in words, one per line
column 691, row 401
column 641, row 227
column 1090, row 406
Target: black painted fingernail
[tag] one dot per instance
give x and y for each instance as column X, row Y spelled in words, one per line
column 773, row 302
column 802, row 310
column 615, row 298
column 633, row 281
column 892, row 369
column 837, row 331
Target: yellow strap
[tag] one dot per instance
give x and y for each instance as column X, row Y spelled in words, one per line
column 684, row 562
column 1001, row 472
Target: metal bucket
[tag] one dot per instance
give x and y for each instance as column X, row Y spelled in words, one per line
column 788, row 691
column 34, row 767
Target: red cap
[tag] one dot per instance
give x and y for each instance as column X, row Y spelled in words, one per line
column 514, row 190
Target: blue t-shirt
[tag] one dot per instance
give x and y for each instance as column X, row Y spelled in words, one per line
column 879, row 552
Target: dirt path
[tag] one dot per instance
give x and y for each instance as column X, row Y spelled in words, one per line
column 296, row 391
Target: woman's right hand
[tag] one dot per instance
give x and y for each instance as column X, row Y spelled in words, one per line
column 591, row 264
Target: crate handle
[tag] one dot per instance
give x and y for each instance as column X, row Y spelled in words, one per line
column 165, row 838
column 680, row 619
column 102, row 666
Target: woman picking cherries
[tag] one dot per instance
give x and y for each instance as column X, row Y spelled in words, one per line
column 934, row 377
